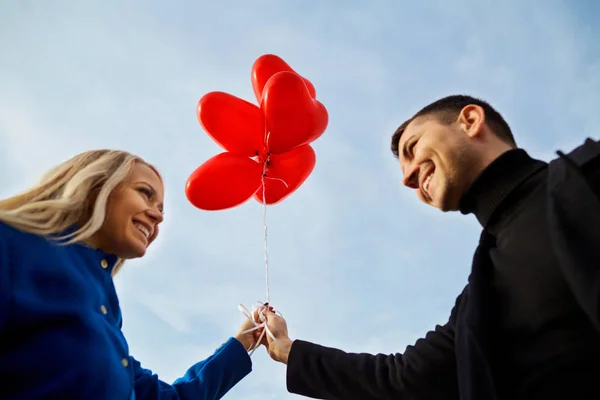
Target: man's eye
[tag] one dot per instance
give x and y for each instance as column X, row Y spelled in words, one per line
column 411, row 149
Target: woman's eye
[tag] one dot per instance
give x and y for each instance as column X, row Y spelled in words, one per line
column 146, row 192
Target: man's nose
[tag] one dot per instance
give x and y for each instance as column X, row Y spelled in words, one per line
column 411, row 177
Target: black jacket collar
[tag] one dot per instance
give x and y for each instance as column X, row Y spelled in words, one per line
column 491, row 188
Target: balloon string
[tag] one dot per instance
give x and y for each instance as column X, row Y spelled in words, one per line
column 265, row 226
column 264, row 198
column 257, row 316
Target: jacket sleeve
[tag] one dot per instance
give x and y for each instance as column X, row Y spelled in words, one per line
column 426, row 370
column 5, row 287
column 208, row 379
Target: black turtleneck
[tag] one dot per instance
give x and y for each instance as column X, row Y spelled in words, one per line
column 542, row 328
column 502, row 177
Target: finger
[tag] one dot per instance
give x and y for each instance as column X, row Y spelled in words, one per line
column 265, row 341
column 271, row 315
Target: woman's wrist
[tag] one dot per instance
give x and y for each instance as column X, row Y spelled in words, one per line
column 244, row 340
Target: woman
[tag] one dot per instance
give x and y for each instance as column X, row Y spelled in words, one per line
column 61, row 242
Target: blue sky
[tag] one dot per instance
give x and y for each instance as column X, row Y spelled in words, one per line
column 356, row 261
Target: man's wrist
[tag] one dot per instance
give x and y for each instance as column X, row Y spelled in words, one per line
column 282, row 352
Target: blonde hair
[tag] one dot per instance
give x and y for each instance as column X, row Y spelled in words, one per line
column 74, row 193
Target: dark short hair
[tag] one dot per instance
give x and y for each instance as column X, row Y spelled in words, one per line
column 447, row 110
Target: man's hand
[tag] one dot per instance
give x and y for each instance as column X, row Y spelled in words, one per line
column 280, row 350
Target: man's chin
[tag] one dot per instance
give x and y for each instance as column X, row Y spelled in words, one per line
column 448, row 205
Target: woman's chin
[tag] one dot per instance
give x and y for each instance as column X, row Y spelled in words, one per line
column 139, row 251
column 134, row 250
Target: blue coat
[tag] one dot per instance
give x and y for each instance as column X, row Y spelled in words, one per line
column 60, row 331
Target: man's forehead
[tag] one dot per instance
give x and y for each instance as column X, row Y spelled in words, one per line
column 413, row 127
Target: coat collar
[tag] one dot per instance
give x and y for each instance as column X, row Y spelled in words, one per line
column 497, row 181
column 97, row 256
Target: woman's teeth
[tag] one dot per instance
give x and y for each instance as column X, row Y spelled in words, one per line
column 143, row 229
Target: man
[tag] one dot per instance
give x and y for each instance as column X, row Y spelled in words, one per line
column 527, row 324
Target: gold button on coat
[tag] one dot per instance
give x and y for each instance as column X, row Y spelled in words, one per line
column 103, row 309
column 104, row 264
column 125, row 362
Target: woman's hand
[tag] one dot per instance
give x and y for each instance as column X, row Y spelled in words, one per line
column 249, row 339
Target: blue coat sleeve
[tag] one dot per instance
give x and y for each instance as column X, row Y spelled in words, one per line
column 209, row 379
column 5, row 287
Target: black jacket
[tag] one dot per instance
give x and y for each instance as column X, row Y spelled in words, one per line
column 453, row 360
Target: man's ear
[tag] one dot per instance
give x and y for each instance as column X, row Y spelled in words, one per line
column 472, row 120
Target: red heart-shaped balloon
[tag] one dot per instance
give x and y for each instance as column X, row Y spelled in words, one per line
column 285, row 173
column 265, row 67
column 235, row 124
column 223, row 181
column 292, row 117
